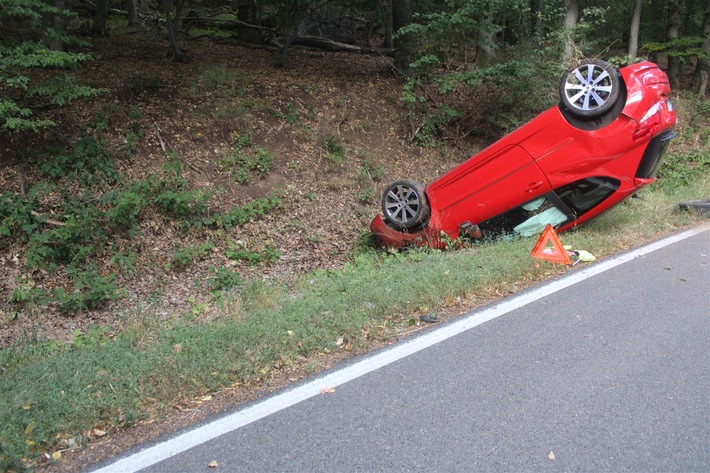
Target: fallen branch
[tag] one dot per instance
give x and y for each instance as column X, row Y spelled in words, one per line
column 45, row 219
column 171, row 153
column 335, row 46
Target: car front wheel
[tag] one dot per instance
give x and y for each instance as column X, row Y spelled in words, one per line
column 405, row 205
column 591, row 89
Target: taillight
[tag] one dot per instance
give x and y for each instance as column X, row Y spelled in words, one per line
column 650, row 123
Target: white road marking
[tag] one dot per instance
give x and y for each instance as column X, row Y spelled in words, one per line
column 260, row 409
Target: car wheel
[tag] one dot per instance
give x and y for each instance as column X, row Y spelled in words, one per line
column 405, row 205
column 591, row 89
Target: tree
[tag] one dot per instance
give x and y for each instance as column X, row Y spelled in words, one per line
column 98, row 27
column 673, row 33
column 404, row 44
column 700, row 78
column 569, row 25
column 55, row 25
column 634, row 32
column 247, row 14
column 19, row 20
column 172, row 9
column 132, row 13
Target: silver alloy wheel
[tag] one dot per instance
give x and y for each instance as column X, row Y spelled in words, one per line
column 404, row 204
column 591, row 89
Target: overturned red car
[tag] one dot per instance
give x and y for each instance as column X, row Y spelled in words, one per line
column 599, row 146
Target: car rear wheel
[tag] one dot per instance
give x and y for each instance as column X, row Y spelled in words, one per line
column 591, row 89
column 405, row 205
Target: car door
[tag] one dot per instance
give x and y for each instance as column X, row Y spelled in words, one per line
column 488, row 184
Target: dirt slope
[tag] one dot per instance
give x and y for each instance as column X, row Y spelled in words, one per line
column 200, row 109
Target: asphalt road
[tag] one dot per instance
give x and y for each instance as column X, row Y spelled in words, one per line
column 601, row 372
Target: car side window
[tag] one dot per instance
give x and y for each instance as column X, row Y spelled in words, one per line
column 581, row 196
column 555, row 208
column 527, row 219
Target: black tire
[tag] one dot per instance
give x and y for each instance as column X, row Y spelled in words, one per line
column 405, row 205
column 700, row 206
column 590, row 90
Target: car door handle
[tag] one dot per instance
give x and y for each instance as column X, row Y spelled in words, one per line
column 533, row 185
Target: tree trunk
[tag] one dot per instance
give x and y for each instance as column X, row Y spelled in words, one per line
column 98, row 27
column 290, row 6
column 172, row 13
column 673, row 32
column 486, row 41
column 536, row 10
column 403, row 44
column 702, row 70
column 247, row 13
column 389, row 34
column 132, row 13
column 56, row 22
column 569, row 26
column 634, row 32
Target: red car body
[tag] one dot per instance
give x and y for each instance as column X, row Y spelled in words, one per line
column 579, row 166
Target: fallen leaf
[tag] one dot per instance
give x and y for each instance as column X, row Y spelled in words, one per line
column 551, row 455
column 99, row 432
column 206, row 398
column 57, row 455
column 213, row 464
column 327, row 391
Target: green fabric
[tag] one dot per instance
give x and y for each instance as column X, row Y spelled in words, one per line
column 537, row 224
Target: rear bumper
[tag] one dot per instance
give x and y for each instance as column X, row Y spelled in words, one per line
column 397, row 239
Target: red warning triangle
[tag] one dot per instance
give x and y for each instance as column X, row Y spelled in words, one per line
column 556, row 254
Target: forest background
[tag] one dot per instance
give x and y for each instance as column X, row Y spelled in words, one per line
column 185, row 188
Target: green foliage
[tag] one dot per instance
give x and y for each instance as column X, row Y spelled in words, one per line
column 369, row 174
column 91, row 290
column 132, row 134
column 94, row 336
column 99, row 223
column 223, row 80
column 683, row 48
column 184, row 257
column 89, row 162
column 225, row 279
column 245, row 159
column 124, row 210
column 682, row 169
column 289, row 114
column 336, row 149
column 237, row 216
column 483, row 101
column 15, row 215
column 238, row 252
column 182, row 204
column 62, row 90
column 18, row 56
column 72, row 243
column 454, row 33
column 687, row 161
